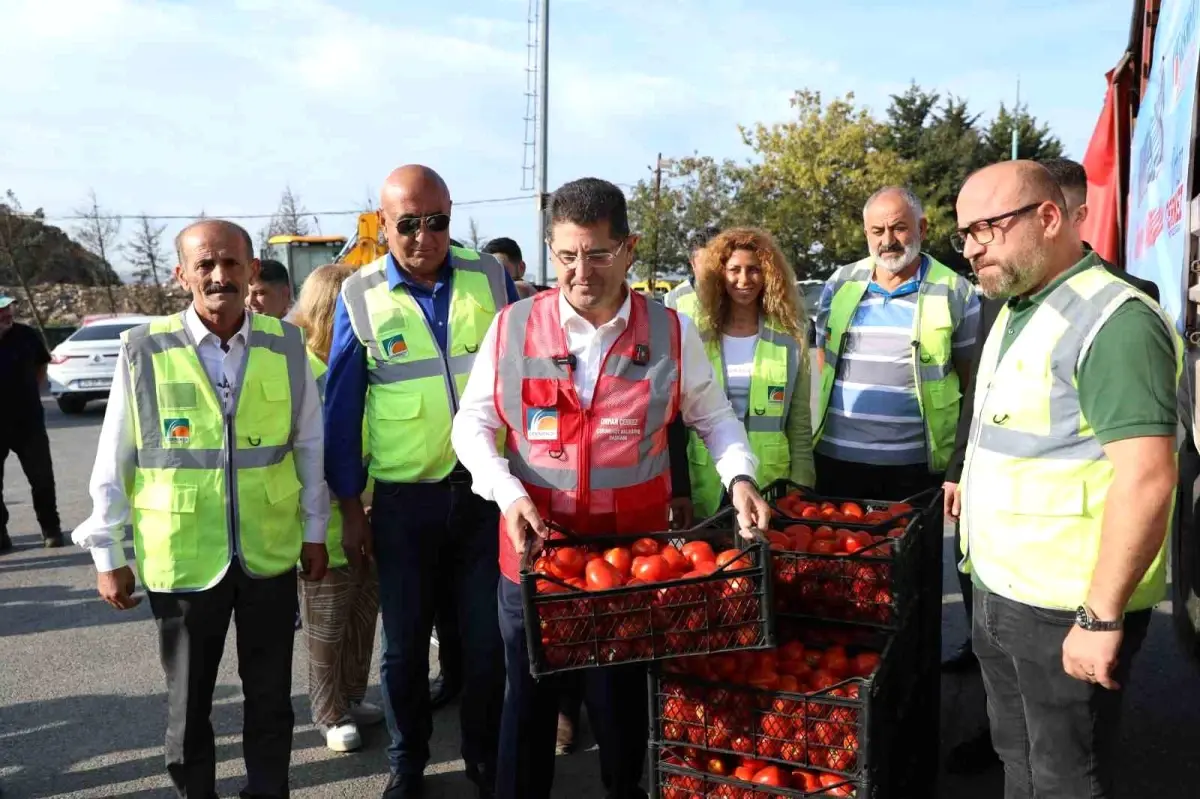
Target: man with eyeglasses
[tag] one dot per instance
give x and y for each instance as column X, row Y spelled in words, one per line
column 1068, row 482
column 406, row 330
column 585, row 381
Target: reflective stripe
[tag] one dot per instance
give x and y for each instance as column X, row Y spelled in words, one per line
column 1016, row 444
column 765, row 424
column 249, row 458
column 354, row 296
column 321, row 384
column 545, row 477
column 646, row 469
column 514, row 366
column 936, row 371
column 414, row 370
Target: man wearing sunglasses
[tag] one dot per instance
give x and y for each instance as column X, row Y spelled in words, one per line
column 406, row 330
column 1068, row 482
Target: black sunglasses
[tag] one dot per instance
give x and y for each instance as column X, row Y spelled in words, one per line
column 434, row 223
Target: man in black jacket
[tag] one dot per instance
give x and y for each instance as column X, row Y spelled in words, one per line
column 976, row 753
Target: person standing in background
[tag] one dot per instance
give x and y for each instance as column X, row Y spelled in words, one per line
column 508, row 253
column 271, row 291
column 339, row 610
column 749, row 320
column 23, row 360
column 406, row 330
column 683, row 297
column 212, row 450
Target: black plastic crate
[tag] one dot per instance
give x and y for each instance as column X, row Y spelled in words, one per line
column 847, row 729
column 880, row 584
column 568, row 627
column 679, row 776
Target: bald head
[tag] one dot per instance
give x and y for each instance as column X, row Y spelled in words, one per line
column 414, row 210
column 1017, row 234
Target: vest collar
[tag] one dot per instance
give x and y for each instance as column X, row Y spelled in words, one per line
column 397, row 277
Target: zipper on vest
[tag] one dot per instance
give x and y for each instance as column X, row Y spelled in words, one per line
column 231, row 508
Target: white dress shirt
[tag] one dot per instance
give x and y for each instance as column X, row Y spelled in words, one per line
column 704, row 406
column 112, row 476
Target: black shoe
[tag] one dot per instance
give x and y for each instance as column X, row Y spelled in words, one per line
column 5, row 541
column 963, row 660
column 53, row 541
column 442, row 691
column 973, row 756
column 404, row 786
column 483, row 778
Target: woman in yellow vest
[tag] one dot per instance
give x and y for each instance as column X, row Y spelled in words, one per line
column 751, row 319
column 339, row 611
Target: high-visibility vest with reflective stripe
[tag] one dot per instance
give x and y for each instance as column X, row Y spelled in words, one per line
column 602, row 470
column 938, row 392
column 773, row 381
column 412, row 388
column 204, row 482
column 684, row 299
column 333, row 535
column 1036, row 478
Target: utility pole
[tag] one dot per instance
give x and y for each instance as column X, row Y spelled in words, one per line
column 543, row 106
column 1016, row 135
column 657, row 224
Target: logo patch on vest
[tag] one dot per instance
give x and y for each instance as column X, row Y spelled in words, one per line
column 541, row 424
column 775, row 394
column 177, row 431
column 395, row 346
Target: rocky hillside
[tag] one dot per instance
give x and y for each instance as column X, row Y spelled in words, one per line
column 46, row 254
column 67, row 304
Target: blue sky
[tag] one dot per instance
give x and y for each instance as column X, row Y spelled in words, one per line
column 170, row 107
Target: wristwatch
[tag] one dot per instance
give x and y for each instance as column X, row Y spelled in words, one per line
column 743, row 478
column 1088, row 621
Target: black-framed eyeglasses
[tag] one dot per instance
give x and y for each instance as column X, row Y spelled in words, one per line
column 434, row 223
column 594, row 260
column 984, row 230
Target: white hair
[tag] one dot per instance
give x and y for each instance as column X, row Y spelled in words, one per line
column 911, row 199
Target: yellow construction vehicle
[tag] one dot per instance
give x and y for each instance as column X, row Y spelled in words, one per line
column 302, row 254
column 367, row 244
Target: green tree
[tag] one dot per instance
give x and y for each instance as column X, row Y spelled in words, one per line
column 814, row 175
column 1035, row 140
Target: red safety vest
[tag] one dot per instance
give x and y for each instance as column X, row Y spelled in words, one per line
column 600, row 470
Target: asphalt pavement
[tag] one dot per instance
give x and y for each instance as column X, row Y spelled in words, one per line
column 82, row 702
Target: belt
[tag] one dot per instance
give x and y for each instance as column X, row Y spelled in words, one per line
column 459, row 476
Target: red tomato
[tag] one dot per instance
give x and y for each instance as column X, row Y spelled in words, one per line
column 735, row 557
column 698, row 551
column 592, row 555
column 829, row 780
column 718, row 766
column 542, row 565
column 823, row 546
column 743, row 773
column 822, row 679
column 602, row 575
column 621, row 560
column 771, row 775
column 898, row 508
column 875, row 516
column 788, row 684
column 702, row 569
column 578, row 583
column 645, row 546
column 676, row 561
column 835, row 662
column 779, row 541
column 805, row 781
column 824, row 532
column 753, row 764
column 856, row 542
column 549, row 587
column 895, row 532
column 568, row 562
column 810, row 512
column 650, row 569
column 865, row 663
column 852, row 510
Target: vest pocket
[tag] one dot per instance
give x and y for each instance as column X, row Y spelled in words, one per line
column 164, row 521
column 1047, row 498
column 774, row 461
column 400, row 429
column 267, row 423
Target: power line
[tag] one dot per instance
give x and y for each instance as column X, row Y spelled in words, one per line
column 353, row 212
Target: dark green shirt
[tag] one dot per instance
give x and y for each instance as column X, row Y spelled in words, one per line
column 1127, row 379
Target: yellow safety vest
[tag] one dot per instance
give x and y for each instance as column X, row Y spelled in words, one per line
column 412, row 389
column 777, row 357
column 204, row 481
column 938, row 391
column 1036, row 478
column 684, row 299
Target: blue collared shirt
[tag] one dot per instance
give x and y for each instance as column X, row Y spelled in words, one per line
column 346, row 380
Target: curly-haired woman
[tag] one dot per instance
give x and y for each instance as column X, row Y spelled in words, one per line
column 340, row 610
column 752, row 321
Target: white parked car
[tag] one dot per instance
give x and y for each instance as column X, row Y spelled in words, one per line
column 82, row 367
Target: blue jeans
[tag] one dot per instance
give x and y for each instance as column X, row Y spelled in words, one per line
column 427, row 536
column 1058, row 736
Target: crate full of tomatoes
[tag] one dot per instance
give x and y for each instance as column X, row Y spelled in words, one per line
column 845, row 560
column 813, row 714
column 602, row 600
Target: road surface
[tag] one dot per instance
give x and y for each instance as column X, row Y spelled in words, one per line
column 82, row 704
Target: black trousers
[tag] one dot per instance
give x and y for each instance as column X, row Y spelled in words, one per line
column 430, row 537
column 615, row 697
column 191, row 633
column 1058, row 736
column 27, row 439
column 445, row 621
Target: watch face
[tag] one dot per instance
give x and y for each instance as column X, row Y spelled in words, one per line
column 1081, row 618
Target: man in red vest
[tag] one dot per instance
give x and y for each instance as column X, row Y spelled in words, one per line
column 586, row 379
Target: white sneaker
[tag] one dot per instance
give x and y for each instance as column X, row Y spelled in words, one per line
column 365, row 713
column 341, row 737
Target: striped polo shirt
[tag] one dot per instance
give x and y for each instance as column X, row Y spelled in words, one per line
column 874, row 416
